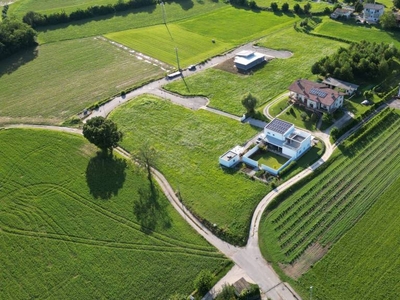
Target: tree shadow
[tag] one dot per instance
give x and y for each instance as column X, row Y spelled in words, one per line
column 12, row 63
column 185, row 4
column 149, row 211
column 105, row 175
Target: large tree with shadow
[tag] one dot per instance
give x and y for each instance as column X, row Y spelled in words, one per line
column 103, row 133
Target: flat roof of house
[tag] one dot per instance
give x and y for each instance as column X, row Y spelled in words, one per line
column 317, row 92
column 340, row 83
column 343, row 10
column 278, row 126
column 229, row 155
column 245, row 53
column 246, row 60
column 373, row 6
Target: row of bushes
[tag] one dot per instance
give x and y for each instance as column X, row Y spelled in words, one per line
column 36, row 19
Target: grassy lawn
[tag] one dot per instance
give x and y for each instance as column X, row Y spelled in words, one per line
column 21, row 7
column 318, row 211
column 61, row 79
column 74, row 225
column 278, row 107
column 189, row 144
column 354, row 32
column 294, row 115
column 143, row 17
column 269, row 159
column 225, row 89
column 366, row 259
column 192, row 47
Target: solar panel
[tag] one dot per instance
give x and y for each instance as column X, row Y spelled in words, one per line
column 279, row 126
column 318, row 93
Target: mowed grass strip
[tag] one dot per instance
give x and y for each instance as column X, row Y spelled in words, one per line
column 226, row 90
column 64, row 78
column 356, row 33
column 366, row 259
column 162, row 42
column 75, row 225
column 142, row 17
column 189, row 144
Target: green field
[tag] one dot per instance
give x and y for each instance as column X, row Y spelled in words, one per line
column 225, row 89
column 366, row 260
column 356, row 33
column 21, row 7
column 143, row 17
column 320, row 211
column 61, row 79
column 189, row 144
column 74, row 225
column 191, row 47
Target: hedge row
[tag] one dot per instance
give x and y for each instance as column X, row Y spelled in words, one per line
column 36, row 19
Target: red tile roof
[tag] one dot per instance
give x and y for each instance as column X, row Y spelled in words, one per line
column 314, row 91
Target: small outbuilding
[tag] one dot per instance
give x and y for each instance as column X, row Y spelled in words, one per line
column 231, row 157
column 349, row 88
column 246, row 59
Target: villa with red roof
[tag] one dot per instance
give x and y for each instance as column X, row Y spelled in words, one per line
column 315, row 96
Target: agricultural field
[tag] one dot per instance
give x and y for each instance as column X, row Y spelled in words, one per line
column 317, row 213
column 225, row 89
column 142, row 17
column 188, row 145
column 21, row 7
column 366, row 259
column 354, row 32
column 191, row 47
column 201, row 37
column 76, row 225
column 59, row 80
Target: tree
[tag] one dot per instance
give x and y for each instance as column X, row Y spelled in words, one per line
column 103, row 133
column 334, row 133
column 307, row 8
column 285, row 7
column 297, row 9
column 147, row 158
column 396, row 3
column 203, row 282
column 227, row 293
column 358, row 7
column 388, row 20
column 249, row 102
column 274, row 6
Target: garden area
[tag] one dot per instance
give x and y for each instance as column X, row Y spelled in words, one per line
column 269, row 158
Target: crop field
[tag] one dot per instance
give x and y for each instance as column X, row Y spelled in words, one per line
column 325, row 208
column 189, row 144
column 76, row 225
column 225, row 89
column 21, row 7
column 192, row 47
column 366, row 260
column 356, row 33
column 143, row 17
column 61, row 79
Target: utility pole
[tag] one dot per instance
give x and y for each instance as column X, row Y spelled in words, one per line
column 177, row 58
column 163, row 12
column 311, row 287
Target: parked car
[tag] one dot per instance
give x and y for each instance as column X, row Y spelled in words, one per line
column 366, row 102
column 192, row 68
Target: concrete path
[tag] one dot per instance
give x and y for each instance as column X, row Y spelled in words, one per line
column 268, row 106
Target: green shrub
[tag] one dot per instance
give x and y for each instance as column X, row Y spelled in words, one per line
column 203, row 282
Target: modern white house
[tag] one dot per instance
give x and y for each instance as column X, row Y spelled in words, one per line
column 372, row 12
column 246, row 59
column 232, row 157
column 284, row 138
column 315, row 96
column 349, row 88
column 280, row 137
